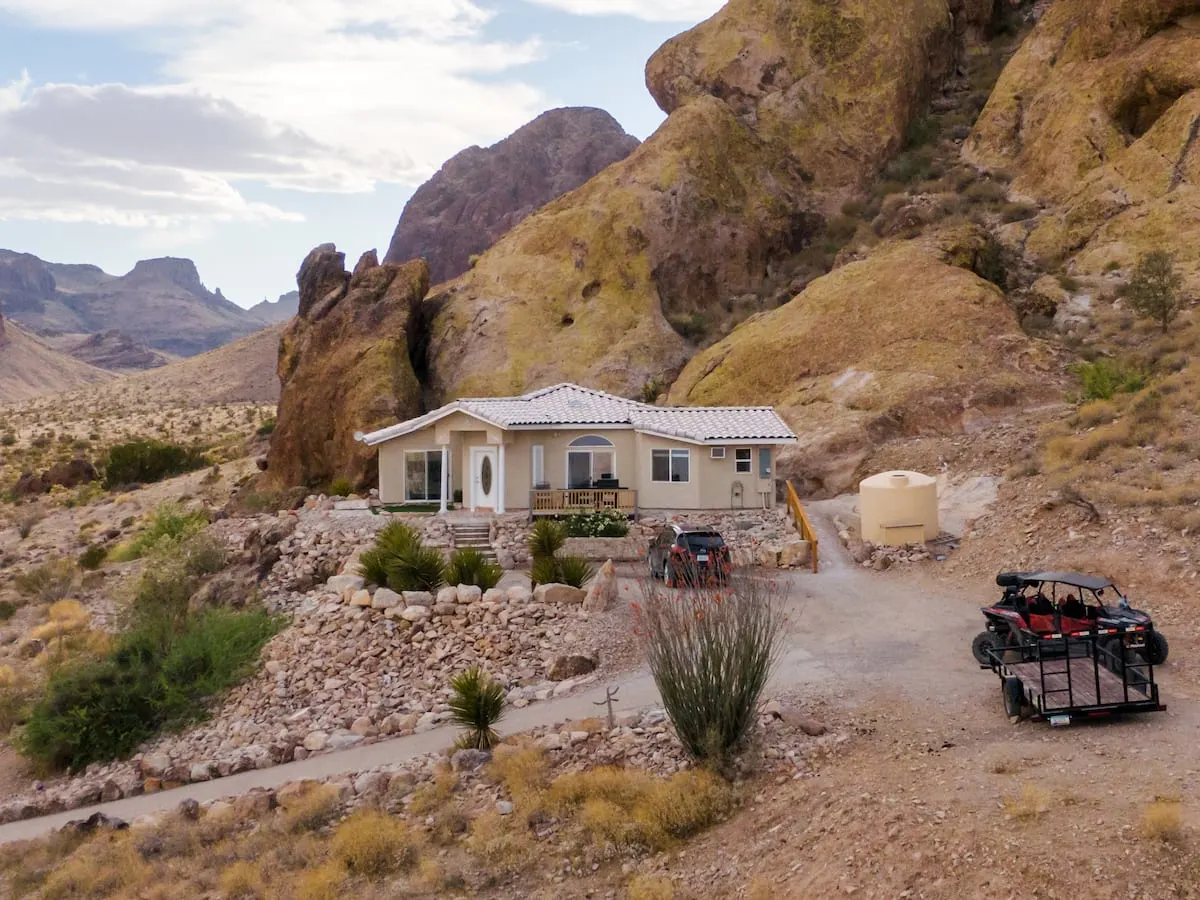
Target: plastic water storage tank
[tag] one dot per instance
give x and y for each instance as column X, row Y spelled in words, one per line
column 899, row 508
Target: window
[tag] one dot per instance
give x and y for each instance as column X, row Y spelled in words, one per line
column 423, row 475
column 764, row 463
column 539, row 466
column 590, row 459
column 743, row 461
column 716, row 453
column 670, row 465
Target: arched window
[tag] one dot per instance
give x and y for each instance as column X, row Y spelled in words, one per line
column 591, row 460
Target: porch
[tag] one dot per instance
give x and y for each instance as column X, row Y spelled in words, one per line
column 567, row 501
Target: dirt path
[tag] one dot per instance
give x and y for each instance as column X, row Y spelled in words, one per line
column 856, row 638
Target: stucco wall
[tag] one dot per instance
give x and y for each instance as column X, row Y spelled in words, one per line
column 519, row 458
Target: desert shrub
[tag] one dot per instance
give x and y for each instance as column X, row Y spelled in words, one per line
column 8, row 439
column 711, row 652
column 421, row 569
column 93, row 557
column 159, row 674
column 993, row 262
column 543, row 570
column 27, row 520
column 1154, row 290
column 912, row 165
column 922, row 131
column 267, row 428
column 169, row 526
column 476, row 705
column 1032, row 803
column 48, row 582
column 8, row 609
column 522, row 770
column 574, row 571
column 651, row 390
column 435, row 794
column 17, row 694
column 395, row 540
column 602, row 523
column 468, row 566
column 505, row 845
column 692, row 327
column 341, row 487
column 651, row 887
column 203, row 554
column 147, row 460
column 242, row 880
column 1105, row 378
column 374, row 844
column 312, row 811
column 986, row 192
column 326, row 882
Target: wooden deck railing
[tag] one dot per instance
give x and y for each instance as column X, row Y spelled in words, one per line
column 565, row 502
column 803, row 524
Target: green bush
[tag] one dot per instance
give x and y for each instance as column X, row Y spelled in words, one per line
column 340, row 487
column 476, row 705
column 48, row 582
column 603, row 523
column 421, row 569
column 575, row 571
column 711, row 652
column 147, row 460
column 1105, row 378
column 468, row 566
column 546, row 539
column 1155, row 289
column 8, row 439
column 93, row 557
column 993, row 262
column 8, row 609
column 170, row 526
column 266, row 428
column 544, row 570
column 395, row 540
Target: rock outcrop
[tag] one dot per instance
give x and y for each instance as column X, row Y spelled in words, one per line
column 116, row 351
column 778, row 110
column 344, row 366
column 278, row 311
column 1097, row 116
column 909, row 341
column 482, row 193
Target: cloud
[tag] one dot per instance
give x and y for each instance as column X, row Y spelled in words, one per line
column 312, row 95
column 648, row 10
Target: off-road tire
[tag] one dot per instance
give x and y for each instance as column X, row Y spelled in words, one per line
column 1157, row 649
column 984, row 641
column 1014, row 697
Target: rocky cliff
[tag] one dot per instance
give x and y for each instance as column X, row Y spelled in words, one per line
column 275, row 312
column 779, row 111
column 1097, row 118
column 482, row 193
column 161, row 303
column 344, row 366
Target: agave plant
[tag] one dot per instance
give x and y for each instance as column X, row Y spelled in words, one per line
column 477, row 705
column 544, row 570
column 468, row 566
column 393, row 542
column 417, row 569
column 574, row 570
column 546, row 539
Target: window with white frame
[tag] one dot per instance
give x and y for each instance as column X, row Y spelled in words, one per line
column 539, row 466
column 590, row 459
column 423, row 475
column 671, row 465
column 743, row 461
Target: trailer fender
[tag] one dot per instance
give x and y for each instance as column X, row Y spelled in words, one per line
column 1014, row 697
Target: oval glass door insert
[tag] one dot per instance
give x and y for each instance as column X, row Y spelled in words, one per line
column 485, row 475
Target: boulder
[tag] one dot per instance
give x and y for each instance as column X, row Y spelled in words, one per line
column 447, row 596
column 416, row 614
column 155, row 765
column 386, row 599
column 468, row 594
column 559, row 595
column 602, row 593
column 254, row 805
column 340, row 584
column 495, row 595
column 315, row 740
column 364, row 727
column 483, row 192
column 199, row 772
column 344, row 367
column 361, row 598
column 519, row 594
column 371, row 784
column 468, row 760
column 562, row 668
column 418, row 598
column 30, row 485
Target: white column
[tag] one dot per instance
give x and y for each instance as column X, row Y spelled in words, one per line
column 445, row 476
column 500, row 483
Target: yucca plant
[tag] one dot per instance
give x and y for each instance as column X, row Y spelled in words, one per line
column 546, row 539
column 544, row 571
column 477, row 705
column 574, row 570
column 394, row 541
column 469, row 566
column 417, row 569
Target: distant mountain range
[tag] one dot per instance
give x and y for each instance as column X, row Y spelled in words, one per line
column 274, row 312
column 161, row 305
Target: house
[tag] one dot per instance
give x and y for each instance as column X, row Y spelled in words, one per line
column 567, row 449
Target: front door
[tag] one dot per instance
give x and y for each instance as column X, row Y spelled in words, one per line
column 485, row 477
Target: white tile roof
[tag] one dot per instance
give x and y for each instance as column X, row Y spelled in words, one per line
column 570, row 404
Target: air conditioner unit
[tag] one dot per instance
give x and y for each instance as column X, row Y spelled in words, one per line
column 717, row 453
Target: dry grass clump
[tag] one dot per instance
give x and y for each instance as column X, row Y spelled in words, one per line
column 504, row 843
column 326, row 882
column 100, row 869
column 374, row 844
column 1031, row 804
column 523, row 771
column 760, row 889
column 434, row 795
column 65, row 617
column 650, row 887
column 312, row 811
column 1162, row 820
column 242, row 881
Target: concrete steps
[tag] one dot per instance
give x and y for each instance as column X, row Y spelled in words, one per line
column 476, row 536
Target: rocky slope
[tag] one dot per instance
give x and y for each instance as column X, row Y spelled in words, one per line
column 28, row 368
column 277, row 311
column 344, row 366
column 161, row 303
column 482, row 193
column 116, row 351
column 778, row 112
column 1097, row 117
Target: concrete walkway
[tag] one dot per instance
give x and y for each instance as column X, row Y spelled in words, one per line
column 636, row 692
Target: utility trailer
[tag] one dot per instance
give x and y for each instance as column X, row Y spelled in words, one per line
column 1083, row 674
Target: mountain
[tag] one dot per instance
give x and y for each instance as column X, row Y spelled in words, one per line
column 161, row 303
column 28, row 368
column 116, row 351
column 483, row 192
column 274, row 312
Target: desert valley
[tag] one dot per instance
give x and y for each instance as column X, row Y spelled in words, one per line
column 268, row 630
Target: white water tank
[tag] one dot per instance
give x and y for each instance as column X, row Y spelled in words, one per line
column 899, row 508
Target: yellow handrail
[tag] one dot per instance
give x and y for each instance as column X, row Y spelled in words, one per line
column 803, row 524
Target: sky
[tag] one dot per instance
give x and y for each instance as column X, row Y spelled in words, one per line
column 242, row 133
